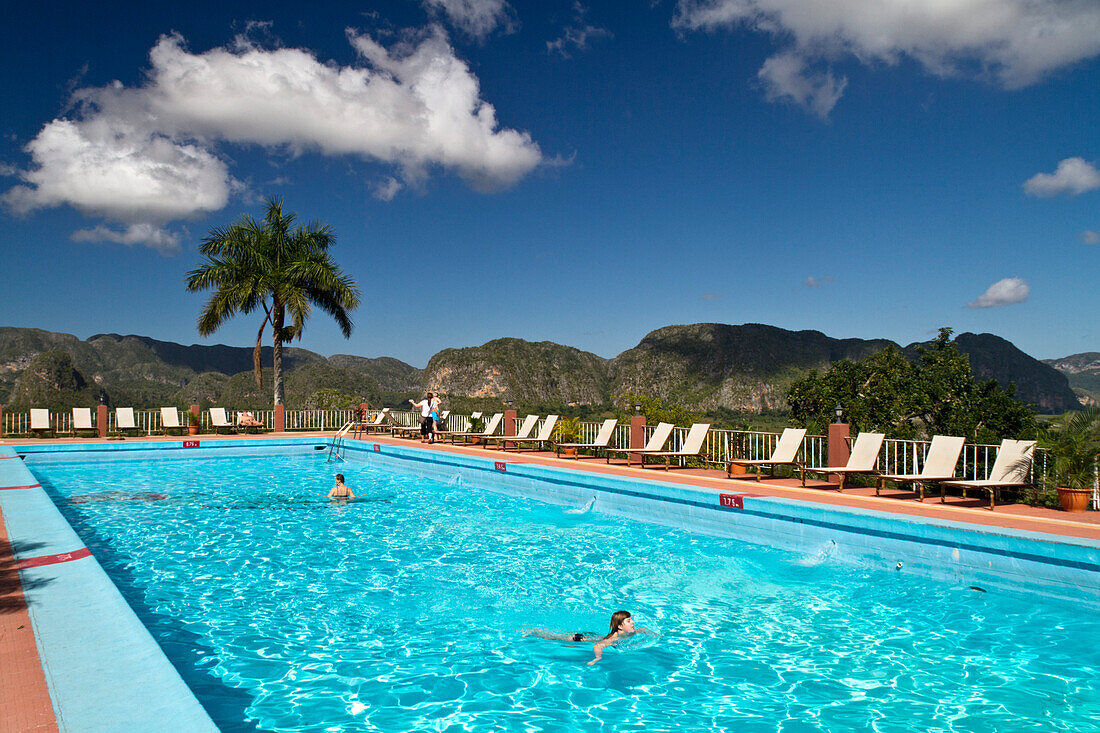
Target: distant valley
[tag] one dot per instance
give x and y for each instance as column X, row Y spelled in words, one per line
column 704, row 366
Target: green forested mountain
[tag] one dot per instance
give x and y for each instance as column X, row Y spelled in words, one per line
column 543, row 373
column 145, row 372
column 1083, row 373
column 705, row 366
column 713, row 365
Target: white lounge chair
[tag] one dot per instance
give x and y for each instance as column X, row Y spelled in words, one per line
column 218, row 420
column 40, row 421
column 785, row 454
column 524, row 431
column 379, row 423
column 862, row 460
column 124, row 420
column 939, row 465
column 545, row 435
column 602, row 441
column 490, row 428
column 656, row 442
column 1009, row 471
column 170, row 420
column 247, row 421
column 692, row 447
column 82, row 420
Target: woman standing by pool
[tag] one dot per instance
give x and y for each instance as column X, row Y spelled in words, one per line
column 427, row 406
column 341, row 490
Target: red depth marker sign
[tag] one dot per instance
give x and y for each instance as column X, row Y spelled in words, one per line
column 190, row 444
column 731, row 501
column 501, row 466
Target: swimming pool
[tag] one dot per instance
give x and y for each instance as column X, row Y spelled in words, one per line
column 400, row 611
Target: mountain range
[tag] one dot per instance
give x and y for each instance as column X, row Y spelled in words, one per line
column 703, row 366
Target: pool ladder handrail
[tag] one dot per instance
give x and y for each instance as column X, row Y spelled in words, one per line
column 336, row 445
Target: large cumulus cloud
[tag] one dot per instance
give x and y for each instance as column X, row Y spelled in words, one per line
column 149, row 155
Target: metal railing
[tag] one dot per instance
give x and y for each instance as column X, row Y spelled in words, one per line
column 897, row 456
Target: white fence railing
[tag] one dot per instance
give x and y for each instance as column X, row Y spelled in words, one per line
column 896, row 457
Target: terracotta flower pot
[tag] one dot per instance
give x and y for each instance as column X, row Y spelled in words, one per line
column 734, row 468
column 1074, row 500
column 192, row 429
column 569, row 451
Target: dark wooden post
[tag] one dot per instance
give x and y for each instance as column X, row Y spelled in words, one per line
column 637, row 437
column 101, row 421
column 280, row 419
column 839, row 450
column 509, row 422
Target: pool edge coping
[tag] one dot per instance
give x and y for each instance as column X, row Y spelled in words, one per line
column 74, row 607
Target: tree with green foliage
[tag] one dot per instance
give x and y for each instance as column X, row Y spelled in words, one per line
column 936, row 394
column 656, row 410
column 272, row 265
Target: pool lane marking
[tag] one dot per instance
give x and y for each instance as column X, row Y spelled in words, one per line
column 42, row 560
column 15, row 488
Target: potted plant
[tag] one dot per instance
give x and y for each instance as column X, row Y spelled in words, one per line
column 568, row 430
column 1073, row 449
column 192, row 422
column 477, row 424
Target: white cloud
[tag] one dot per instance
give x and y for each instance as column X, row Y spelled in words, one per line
column 1012, row 42
column 147, row 155
column 711, row 296
column 386, row 189
column 785, row 77
column 817, row 282
column 104, row 167
column 1073, row 176
column 476, row 18
column 1003, row 292
column 1090, row 237
column 144, row 234
column 575, row 37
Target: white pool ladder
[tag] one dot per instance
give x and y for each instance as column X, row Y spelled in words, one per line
column 336, row 446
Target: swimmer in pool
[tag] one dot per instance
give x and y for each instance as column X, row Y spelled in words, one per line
column 340, row 490
column 622, row 627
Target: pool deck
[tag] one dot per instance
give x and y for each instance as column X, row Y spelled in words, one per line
column 24, row 697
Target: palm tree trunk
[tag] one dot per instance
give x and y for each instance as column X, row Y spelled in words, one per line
column 278, row 313
column 257, row 366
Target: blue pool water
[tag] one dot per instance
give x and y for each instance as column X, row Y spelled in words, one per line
column 401, row 612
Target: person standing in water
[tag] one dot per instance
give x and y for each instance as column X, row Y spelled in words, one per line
column 621, row 627
column 340, row 490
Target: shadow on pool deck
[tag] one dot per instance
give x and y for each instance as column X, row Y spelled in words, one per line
column 24, row 695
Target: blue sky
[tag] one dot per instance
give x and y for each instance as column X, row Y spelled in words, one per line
column 580, row 173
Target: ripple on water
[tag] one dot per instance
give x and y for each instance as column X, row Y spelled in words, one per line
column 399, row 611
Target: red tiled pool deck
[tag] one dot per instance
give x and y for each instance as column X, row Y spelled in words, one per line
column 24, row 697
column 24, row 700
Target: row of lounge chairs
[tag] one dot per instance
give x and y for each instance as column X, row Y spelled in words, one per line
column 125, row 421
column 1009, row 470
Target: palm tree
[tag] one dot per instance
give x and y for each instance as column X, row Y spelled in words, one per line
column 265, row 263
